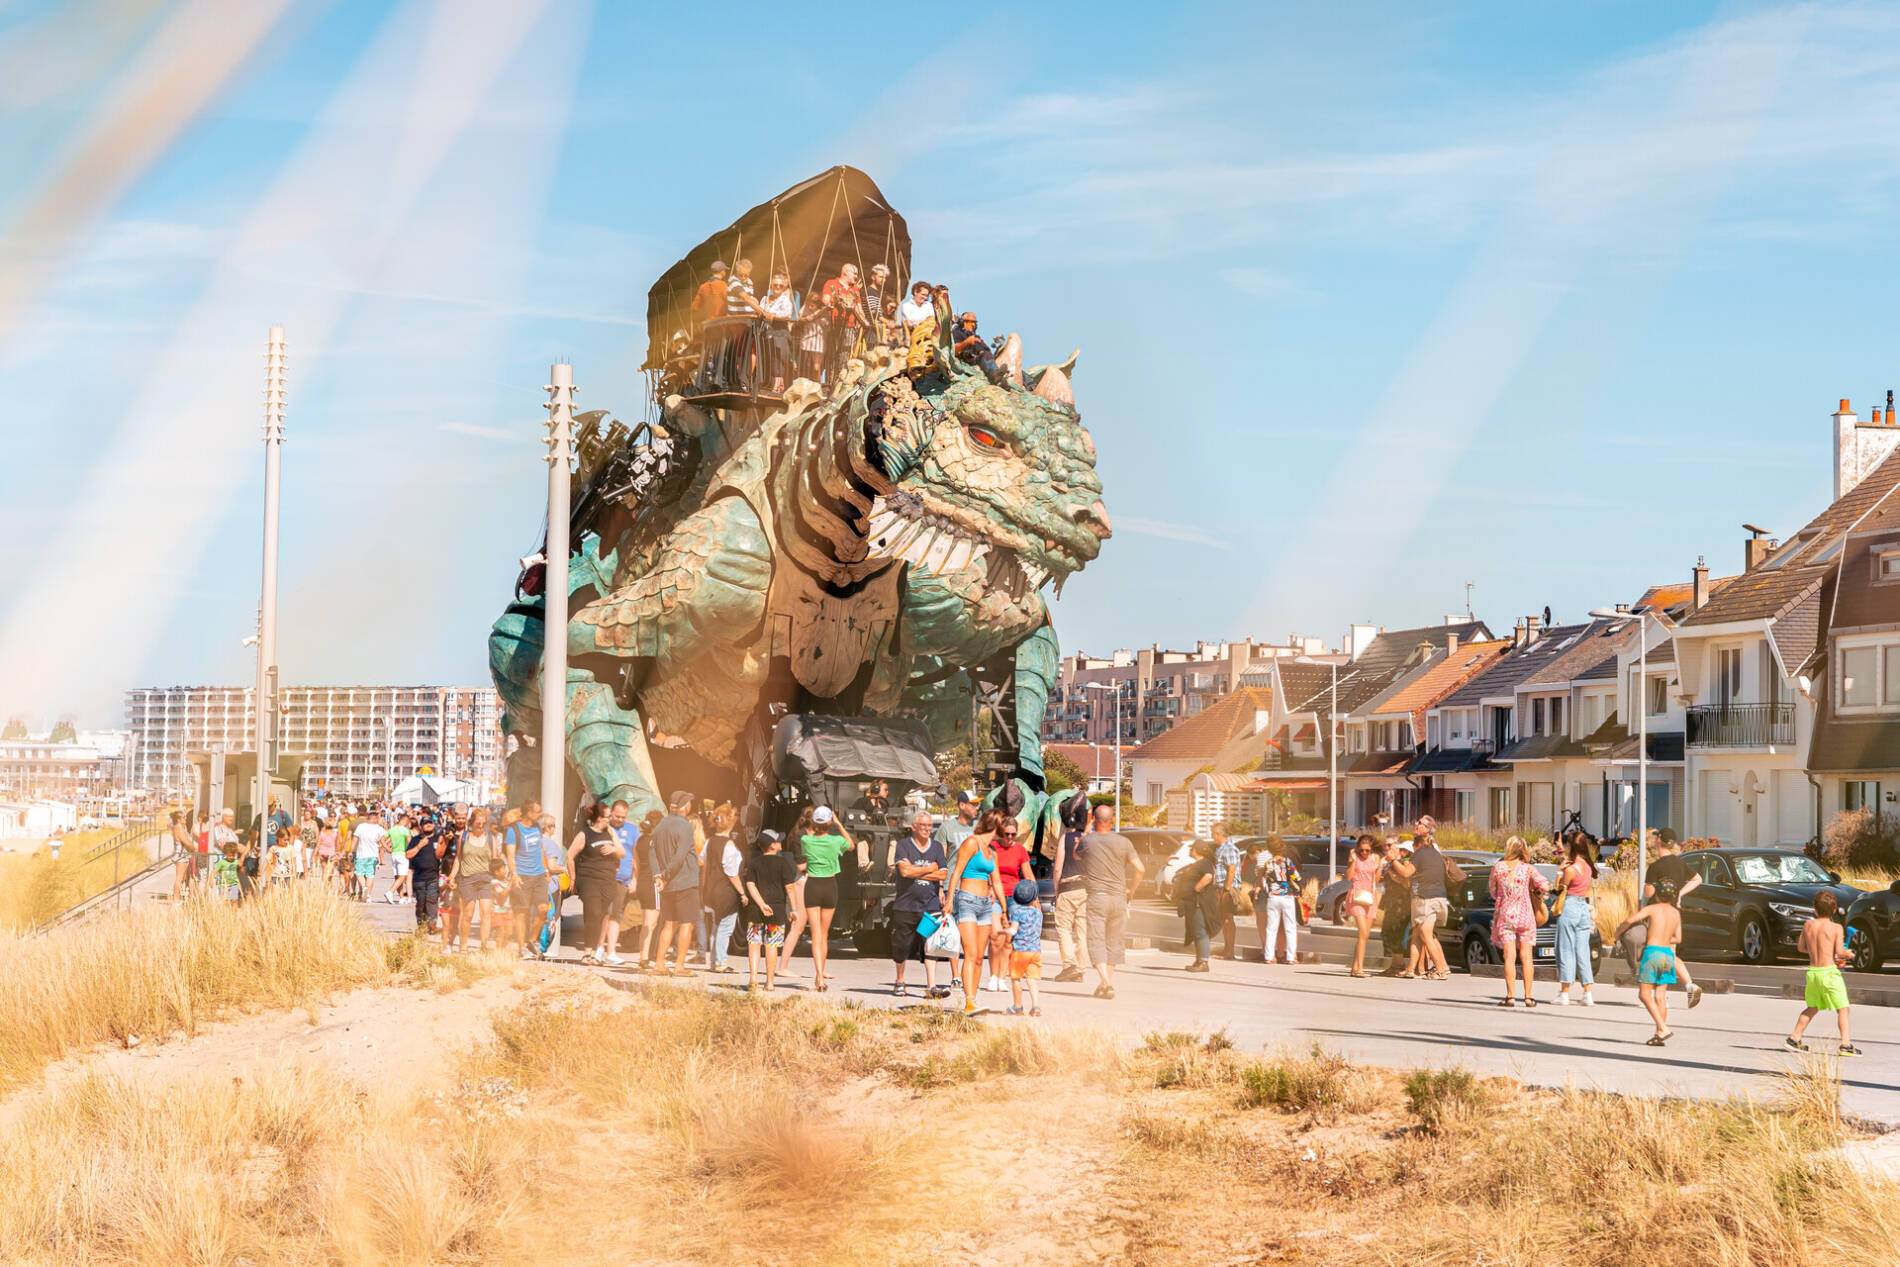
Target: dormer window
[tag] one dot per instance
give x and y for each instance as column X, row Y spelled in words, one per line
column 1887, row 562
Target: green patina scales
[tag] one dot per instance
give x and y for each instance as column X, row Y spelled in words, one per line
column 858, row 555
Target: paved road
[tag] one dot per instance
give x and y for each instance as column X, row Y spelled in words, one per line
column 1729, row 1045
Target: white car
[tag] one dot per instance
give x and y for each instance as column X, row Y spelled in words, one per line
column 1176, row 863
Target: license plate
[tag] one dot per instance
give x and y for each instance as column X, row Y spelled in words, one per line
column 1545, row 952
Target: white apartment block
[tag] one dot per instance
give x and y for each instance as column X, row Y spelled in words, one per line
column 357, row 738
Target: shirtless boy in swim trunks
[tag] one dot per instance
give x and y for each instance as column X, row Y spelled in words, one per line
column 1657, row 971
column 1825, row 944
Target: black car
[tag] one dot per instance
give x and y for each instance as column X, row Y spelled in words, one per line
column 1753, row 902
column 1466, row 936
column 1873, row 922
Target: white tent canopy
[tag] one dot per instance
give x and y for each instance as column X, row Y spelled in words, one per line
column 431, row 789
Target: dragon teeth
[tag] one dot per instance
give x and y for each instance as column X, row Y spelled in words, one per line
column 960, row 554
column 919, row 546
column 882, row 523
column 893, row 544
column 939, row 551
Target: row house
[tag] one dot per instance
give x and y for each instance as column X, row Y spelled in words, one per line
column 1143, row 693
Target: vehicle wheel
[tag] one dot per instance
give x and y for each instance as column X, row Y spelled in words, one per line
column 872, row 940
column 1865, row 951
column 1339, row 911
column 1751, row 939
column 1477, row 951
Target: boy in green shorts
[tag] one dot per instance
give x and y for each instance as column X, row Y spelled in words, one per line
column 1825, row 944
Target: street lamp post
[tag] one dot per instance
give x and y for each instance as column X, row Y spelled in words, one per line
column 1117, row 688
column 1332, row 768
column 560, row 442
column 1640, row 705
column 267, row 606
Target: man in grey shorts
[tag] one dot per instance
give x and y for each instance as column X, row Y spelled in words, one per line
column 1111, row 873
column 1429, row 871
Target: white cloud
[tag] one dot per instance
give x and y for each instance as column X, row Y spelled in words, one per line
column 1169, row 531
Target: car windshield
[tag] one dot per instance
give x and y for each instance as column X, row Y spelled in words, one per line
column 1779, row 868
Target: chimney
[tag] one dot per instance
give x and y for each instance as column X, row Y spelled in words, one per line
column 1861, row 446
column 1699, row 577
column 1451, row 644
column 1532, row 624
column 1756, row 548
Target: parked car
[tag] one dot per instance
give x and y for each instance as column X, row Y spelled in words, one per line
column 1332, row 897
column 1873, row 924
column 1466, row 936
column 1156, row 847
column 1753, row 902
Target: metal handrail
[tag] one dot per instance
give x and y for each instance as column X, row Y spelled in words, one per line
column 1738, row 725
column 127, row 836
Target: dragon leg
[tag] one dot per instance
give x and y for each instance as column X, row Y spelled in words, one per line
column 607, row 747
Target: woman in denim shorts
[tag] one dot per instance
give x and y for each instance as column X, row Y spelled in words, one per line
column 973, row 899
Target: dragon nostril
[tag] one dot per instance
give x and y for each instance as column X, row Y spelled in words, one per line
column 1095, row 519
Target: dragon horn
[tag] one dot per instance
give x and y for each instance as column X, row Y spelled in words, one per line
column 1010, row 360
column 1034, row 373
column 1053, row 385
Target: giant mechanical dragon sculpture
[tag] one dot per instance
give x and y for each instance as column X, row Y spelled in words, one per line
column 862, row 554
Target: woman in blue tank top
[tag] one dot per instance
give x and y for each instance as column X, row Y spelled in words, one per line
column 974, row 900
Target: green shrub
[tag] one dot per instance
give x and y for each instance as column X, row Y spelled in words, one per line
column 1441, row 1097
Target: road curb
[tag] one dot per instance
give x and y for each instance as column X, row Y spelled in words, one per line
column 1856, row 995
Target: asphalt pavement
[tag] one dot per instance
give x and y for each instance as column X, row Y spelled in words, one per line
column 1730, row 1045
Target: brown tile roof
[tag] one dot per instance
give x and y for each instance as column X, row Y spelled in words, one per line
column 1445, row 675
column 1760, row 595
column 1797, row 634
column 1861, row 598
column 1854, row 747
column 1202, row 736
column 1094, row 760
column 1676, row 597
column 1504, row 674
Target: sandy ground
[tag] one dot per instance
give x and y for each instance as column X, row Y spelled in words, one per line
column 386, row 1035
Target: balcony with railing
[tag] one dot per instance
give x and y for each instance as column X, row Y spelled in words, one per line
column 1740, row 726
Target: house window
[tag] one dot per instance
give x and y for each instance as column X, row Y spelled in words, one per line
column 1728, row 676
column 1455, row 721
column 1887, row 565
column 1557, row 716
column 1156, row 793
column 1658, row 693
column 1405, row 733
column 1500, row 807
column 1463, row 804
column 1890, row 675
column 1858, row 665
column 1431, row 732
column 1861, row 794
column 1537, row 717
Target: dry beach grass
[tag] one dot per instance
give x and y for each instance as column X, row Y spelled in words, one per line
column 582, row 1124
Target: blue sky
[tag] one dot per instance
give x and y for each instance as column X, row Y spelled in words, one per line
column 1373, row 300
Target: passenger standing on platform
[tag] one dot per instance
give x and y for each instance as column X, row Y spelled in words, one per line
column 709, row 304
column 916, row 310
column 779, row 307
column 876, row 290
column 844, row 299
column 739, row 373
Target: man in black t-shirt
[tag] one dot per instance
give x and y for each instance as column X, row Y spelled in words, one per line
column 425, row 871
column 921, row 871
column 1671, row 876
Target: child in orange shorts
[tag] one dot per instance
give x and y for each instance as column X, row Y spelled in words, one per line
column 1025, row 948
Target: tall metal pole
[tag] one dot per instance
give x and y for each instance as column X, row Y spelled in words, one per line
column 1118, row 756
column 1642, row 750
column 560, row 442
column 267, row 607
column 1332, row 781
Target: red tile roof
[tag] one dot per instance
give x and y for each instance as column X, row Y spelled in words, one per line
column 1203, row 735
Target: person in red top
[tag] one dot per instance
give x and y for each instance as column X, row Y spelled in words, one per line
column 845, row 301
column 1012, row 864
column 709, row 304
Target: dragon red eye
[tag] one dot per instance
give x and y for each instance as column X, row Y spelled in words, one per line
column 985, row 439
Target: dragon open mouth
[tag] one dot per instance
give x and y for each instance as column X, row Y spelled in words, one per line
column 939, row 538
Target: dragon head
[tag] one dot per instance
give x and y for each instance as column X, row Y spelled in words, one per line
column 994, row 484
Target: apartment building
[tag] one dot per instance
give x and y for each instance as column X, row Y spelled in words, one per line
column 358, row 738
column 1149, row 691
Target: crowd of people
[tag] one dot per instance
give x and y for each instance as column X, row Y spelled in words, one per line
column 749, row 341
column 965, row 895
